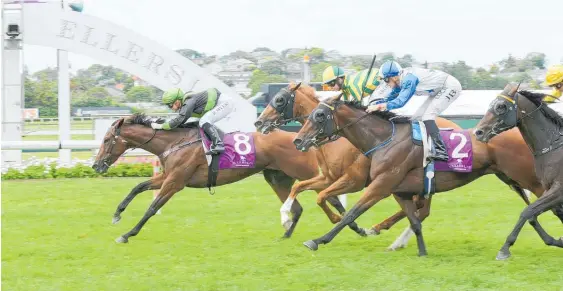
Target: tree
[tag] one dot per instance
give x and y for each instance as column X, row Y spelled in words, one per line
column 406, row 60
column 537, row 60
column 262, row 49
column 139, row 94
column 509, row 63
column 273, row 67
column 460, row 71
column 259, row 77
column 49, row 74
column 317, row 71
column 191, row 54
column 42, row 95
column 94, row 97
column 128, row 84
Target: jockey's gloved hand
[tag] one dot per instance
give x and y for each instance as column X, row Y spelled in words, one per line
column 157, row 120
column 156, row 125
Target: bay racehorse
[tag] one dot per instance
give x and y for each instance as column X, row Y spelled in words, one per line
column 542, row 128
column 184, row 162
column 345, row 170
column 396, row 162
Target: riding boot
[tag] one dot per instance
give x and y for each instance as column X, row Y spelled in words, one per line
column 217, row 146
column 440, row 152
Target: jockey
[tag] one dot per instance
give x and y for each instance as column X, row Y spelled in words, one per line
column 210, row 105
column 554, row 78
column 441, row 88
column 351, row 85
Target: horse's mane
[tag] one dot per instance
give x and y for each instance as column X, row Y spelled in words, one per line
column 548, row 112
column 387, row 115
column 138, row 118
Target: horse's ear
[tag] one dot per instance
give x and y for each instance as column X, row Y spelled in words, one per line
column 513, row 90
column 334, row 98
column 296, row 87
column 120, row 122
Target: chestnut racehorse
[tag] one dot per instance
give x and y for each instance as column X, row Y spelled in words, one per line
column 184, row 163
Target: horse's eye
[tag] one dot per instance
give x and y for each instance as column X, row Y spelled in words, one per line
column 319, row 116
column 280, row 101
column 500, row 108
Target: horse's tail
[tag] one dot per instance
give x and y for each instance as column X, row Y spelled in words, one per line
column 514, row 186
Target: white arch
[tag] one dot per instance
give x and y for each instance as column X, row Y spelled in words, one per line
column 46, row 24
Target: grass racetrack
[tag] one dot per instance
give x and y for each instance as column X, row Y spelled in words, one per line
column 57, row 235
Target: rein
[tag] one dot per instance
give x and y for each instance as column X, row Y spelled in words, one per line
column 513, row 101
column 115, row 136
column 339, row 129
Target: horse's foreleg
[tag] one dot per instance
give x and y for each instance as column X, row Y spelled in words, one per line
column 170, row 187
column 341, row 186
column 281, row 184
column 154, row 183
column 316, row 183
column 547, row 201
column 376, row 191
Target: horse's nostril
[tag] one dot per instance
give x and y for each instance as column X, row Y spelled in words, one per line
column 297, row 141
column 258, row 123
column 479, row 132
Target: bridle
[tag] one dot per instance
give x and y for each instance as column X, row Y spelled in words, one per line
column 285, row 110
column 332, row 135
column 511, row 119
column 115, row 136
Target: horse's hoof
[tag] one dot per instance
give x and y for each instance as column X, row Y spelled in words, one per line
column 311, row 245
column 423, row 255
column 393, row 248
column 287, row 225
column 286, row 235
column 116, row 219
column 371, row 232
column 121, row 240
column 502, row 255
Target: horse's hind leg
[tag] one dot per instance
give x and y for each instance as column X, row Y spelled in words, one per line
column 423, row 212
column 153, row 183
column 514, row 186
column 547, row 201
column 170, row 187
column 282, row 183
column 410, row 209
column 558, row 211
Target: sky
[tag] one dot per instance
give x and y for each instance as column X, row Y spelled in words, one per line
column 479, row 32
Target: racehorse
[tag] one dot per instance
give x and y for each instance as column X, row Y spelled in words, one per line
column 184, row 162
column 395, row 160
column 542, row 128
column 345, row 169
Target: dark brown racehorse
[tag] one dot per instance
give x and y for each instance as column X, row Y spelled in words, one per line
column 184, row 164
column 542, row 128
column 345, row 169
column 396, row 162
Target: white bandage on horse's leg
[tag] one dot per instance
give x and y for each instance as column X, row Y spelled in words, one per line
column 284, row 211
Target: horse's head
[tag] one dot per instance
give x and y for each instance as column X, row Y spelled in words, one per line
column 112, row 147
column 320, row 125
column 286, row 106
column 501, row 116
column 116, row 142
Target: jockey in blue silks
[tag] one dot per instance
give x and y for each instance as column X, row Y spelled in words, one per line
column 440, row 88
